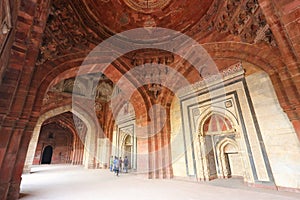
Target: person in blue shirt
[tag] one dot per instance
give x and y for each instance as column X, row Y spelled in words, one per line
column 116, row 165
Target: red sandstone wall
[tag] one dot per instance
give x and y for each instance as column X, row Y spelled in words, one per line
column 61, row 142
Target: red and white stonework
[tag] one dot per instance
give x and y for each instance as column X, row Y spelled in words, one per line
column 253, row 131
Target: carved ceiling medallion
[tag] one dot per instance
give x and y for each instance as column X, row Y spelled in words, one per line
column 147, row 6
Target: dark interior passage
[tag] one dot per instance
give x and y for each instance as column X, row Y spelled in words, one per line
column 47, row 155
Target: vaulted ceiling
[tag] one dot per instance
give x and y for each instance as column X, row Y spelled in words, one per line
column 75, row 27
column 79, row 25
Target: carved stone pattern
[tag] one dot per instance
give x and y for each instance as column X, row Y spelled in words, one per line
column 227, row 72
column 68, row 85
column 74, row 87
column 127, row 130
column 153, row 74
column 232, row 69
column 149, row 22
column 98, row 106
column 46, row 99
column 98, row 109
column 147, row 6
column 228, row 104
column 63, row 32
column 206, row 23
column 157, row 57
column 52, row 97
column 196, row 112
column 155, row 89
column 244, row 18
column 104, row 91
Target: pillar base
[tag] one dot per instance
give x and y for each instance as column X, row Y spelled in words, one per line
column 9, row 191
column 27, row 169
column 14, row 191
column 3, row 190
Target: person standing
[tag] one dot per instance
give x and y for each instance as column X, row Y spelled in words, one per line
column 116, row 166
column 120, row 161
column 126, row 162
column 111, row 163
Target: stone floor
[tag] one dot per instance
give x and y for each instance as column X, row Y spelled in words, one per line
column 74, row 182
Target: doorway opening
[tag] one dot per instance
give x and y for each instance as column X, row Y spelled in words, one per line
column 47, row 155
column 221, row 148
column 127, row 149
column 229, row 159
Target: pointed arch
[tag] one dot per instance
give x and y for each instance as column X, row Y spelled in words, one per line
column 68, row 67
column 223, row 143
column 91, row 133
column 222, row 157
column 222, row 113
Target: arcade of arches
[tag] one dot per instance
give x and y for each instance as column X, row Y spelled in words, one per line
column 238, row 115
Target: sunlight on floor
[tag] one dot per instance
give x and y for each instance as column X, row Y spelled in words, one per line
column 74, row 182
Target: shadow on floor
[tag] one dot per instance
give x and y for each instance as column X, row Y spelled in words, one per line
column 229, row 183
column 51, row 167
column 23, row 195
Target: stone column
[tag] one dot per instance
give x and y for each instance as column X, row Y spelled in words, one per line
column 90, row 150
column 8, row 149
column 14, row 188
column 166, row 139
column 144, row 164
column 31, row 148
column 75, row 151
column 206, row 172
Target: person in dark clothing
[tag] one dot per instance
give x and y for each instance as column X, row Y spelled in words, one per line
column 126, row 162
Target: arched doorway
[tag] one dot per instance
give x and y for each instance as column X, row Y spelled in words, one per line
column 47, row 155
column 229, row 159
column 78, row 157
column 221, row 148
column 127, row 149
